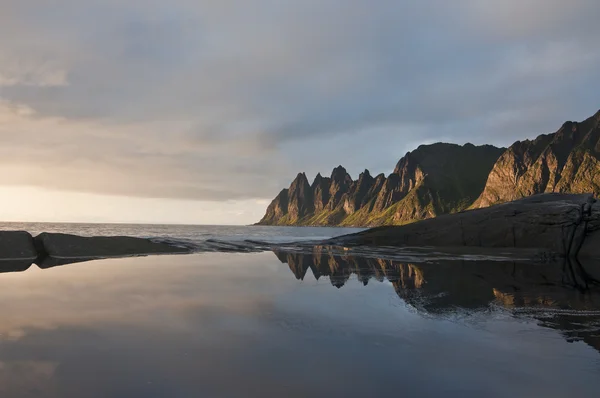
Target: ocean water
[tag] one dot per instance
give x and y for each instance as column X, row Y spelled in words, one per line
column 192, row 233
column 284, row 323
column 198, row 238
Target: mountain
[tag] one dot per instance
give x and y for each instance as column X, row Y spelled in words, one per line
column 567, row 161
column 431, row 180
column 447, row 178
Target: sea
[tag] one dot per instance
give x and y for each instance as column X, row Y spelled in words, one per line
column 278, row 322
column 196, row 234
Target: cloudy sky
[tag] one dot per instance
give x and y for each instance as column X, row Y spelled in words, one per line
column 200, row 111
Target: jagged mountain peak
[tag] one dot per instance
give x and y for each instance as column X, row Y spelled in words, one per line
column 370, row 201
column 339, row 173
column 301, row 177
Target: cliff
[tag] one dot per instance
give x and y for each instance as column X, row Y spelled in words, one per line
column 567, row 161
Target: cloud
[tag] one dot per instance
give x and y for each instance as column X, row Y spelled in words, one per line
column 214, row 100
column 18, row 73
column 533, row 19
column 145, row 159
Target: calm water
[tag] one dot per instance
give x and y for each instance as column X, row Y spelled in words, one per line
column 295, row 325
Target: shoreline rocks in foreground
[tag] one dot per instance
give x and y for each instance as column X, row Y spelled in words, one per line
column 17, row 245
column 547, row 225
column 65, row 245
column 18, row 249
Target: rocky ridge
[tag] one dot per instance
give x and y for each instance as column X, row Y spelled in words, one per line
column 567, row 161
column 440, row 179
column 432, row 180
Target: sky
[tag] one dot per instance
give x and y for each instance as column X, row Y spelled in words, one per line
column 201, row 111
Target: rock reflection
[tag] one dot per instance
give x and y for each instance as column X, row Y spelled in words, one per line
column 545, row 292
column 563, row 296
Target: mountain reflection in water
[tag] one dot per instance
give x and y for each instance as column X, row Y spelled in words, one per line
column 557, row 295
column 548, row 292
column 241, row 325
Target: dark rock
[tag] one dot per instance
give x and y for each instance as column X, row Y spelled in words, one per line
column 18, row 250
column 17, row 245
column 14, row 265
column 60, row 246
column 551, row 224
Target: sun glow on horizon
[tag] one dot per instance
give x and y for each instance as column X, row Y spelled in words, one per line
column 32, row 204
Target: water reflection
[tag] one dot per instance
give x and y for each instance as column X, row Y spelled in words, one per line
column 557, row 294
column 545, row 292
column 241, row 325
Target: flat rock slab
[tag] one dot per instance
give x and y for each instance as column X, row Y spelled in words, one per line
column 553, row 224
column 59, row 246
column 18, row 249
column 17, row 245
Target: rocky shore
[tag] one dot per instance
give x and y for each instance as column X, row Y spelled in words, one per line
column 546, row 225
column 19, row 249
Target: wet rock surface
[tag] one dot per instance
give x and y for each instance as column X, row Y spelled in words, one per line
column 564, row 225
